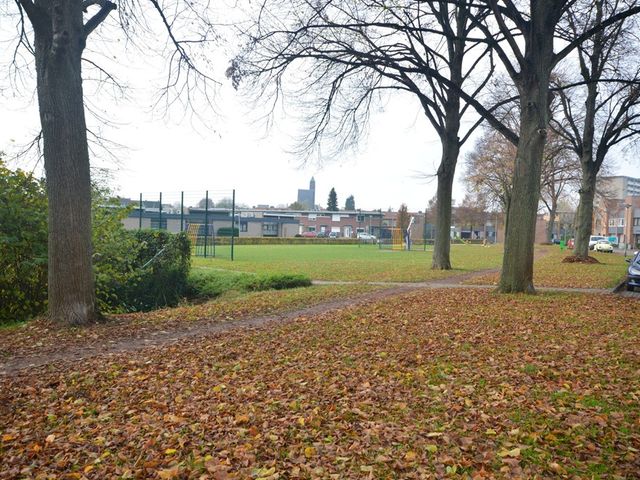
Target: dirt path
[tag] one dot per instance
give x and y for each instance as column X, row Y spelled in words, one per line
column 163, row 336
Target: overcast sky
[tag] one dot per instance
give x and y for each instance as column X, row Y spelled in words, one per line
column 174, row 153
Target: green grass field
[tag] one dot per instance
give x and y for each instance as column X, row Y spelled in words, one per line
column 350, row 262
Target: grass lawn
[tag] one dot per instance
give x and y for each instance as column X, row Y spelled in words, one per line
column 432, row 384
column 352, row 262
column 549, row 271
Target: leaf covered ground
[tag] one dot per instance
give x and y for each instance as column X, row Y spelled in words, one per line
column 550, row 271
column 41, row 337
column 431, row 384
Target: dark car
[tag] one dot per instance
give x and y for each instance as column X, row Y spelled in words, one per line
column 633, row 272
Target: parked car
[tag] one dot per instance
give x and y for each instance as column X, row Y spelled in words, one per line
column 333, row 235
column 321, row 235
column 309, row 234
column 593, row 239
column 603, row 246
column 633, row 272
column 366, row 237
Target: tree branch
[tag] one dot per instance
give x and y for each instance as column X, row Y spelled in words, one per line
column 105, row 9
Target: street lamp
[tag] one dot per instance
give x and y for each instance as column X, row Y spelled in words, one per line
column 627, row 206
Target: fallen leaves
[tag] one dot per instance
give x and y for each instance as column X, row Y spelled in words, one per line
column 479, row 386
column 552, row 270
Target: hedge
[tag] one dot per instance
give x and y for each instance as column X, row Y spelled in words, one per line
column 282, row 241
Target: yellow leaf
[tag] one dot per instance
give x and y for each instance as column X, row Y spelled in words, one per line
column 169, row 473
column 7, row 437
column 410, row 456
column 240, row 419
column 88, row 468
column 556, row 467
column 514, row 453
column 170, row 451
column 431, row 448
column 301, row 421
column 309, row 452
column 490, row 431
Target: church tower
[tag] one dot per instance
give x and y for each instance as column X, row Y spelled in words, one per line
column 312, row 191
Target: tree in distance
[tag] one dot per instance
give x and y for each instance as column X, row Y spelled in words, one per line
column 350, row 203
column 332, row 201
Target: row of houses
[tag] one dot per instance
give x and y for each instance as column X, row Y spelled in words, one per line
column 271, row 222
column 617, row 215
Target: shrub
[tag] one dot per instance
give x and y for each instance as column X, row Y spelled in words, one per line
column 23, row 245
column 227, row 231
column 122, row 284
column 213, row 284
column 278, row 281
column 152, row 274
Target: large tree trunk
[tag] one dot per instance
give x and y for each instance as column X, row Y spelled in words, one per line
column 533, row 87
column 442, row 247
column 59, row 41
column 517, row 266
column 584, row 215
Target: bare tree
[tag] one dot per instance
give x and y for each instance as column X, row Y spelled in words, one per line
column 523, row 36
column 601, row 107
column 490, row 169
column 403, row 218
column 560, row 171
column 472, row 211
column 351, row 53
column 56, row 33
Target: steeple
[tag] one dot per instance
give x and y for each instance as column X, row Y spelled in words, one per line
column 312, row 184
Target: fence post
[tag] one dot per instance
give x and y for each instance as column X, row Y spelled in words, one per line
column 206, row 221
column 140, row 213
column 160, row 213
column 182, row 211
column 233, row 220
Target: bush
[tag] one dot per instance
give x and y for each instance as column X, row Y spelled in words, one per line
column 23, row 245
column 122, row 285
column 152, row 274
column 204, row 285
column 227, row 231
column 278, row 282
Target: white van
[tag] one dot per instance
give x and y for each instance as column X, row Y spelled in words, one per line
column 593, row 239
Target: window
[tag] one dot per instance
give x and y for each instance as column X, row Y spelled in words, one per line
column 335, row 217
column 270, row 229
column 313, row 216
column 323, row 228
column 311, row 228
column 636, row 222
column 360, row 218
